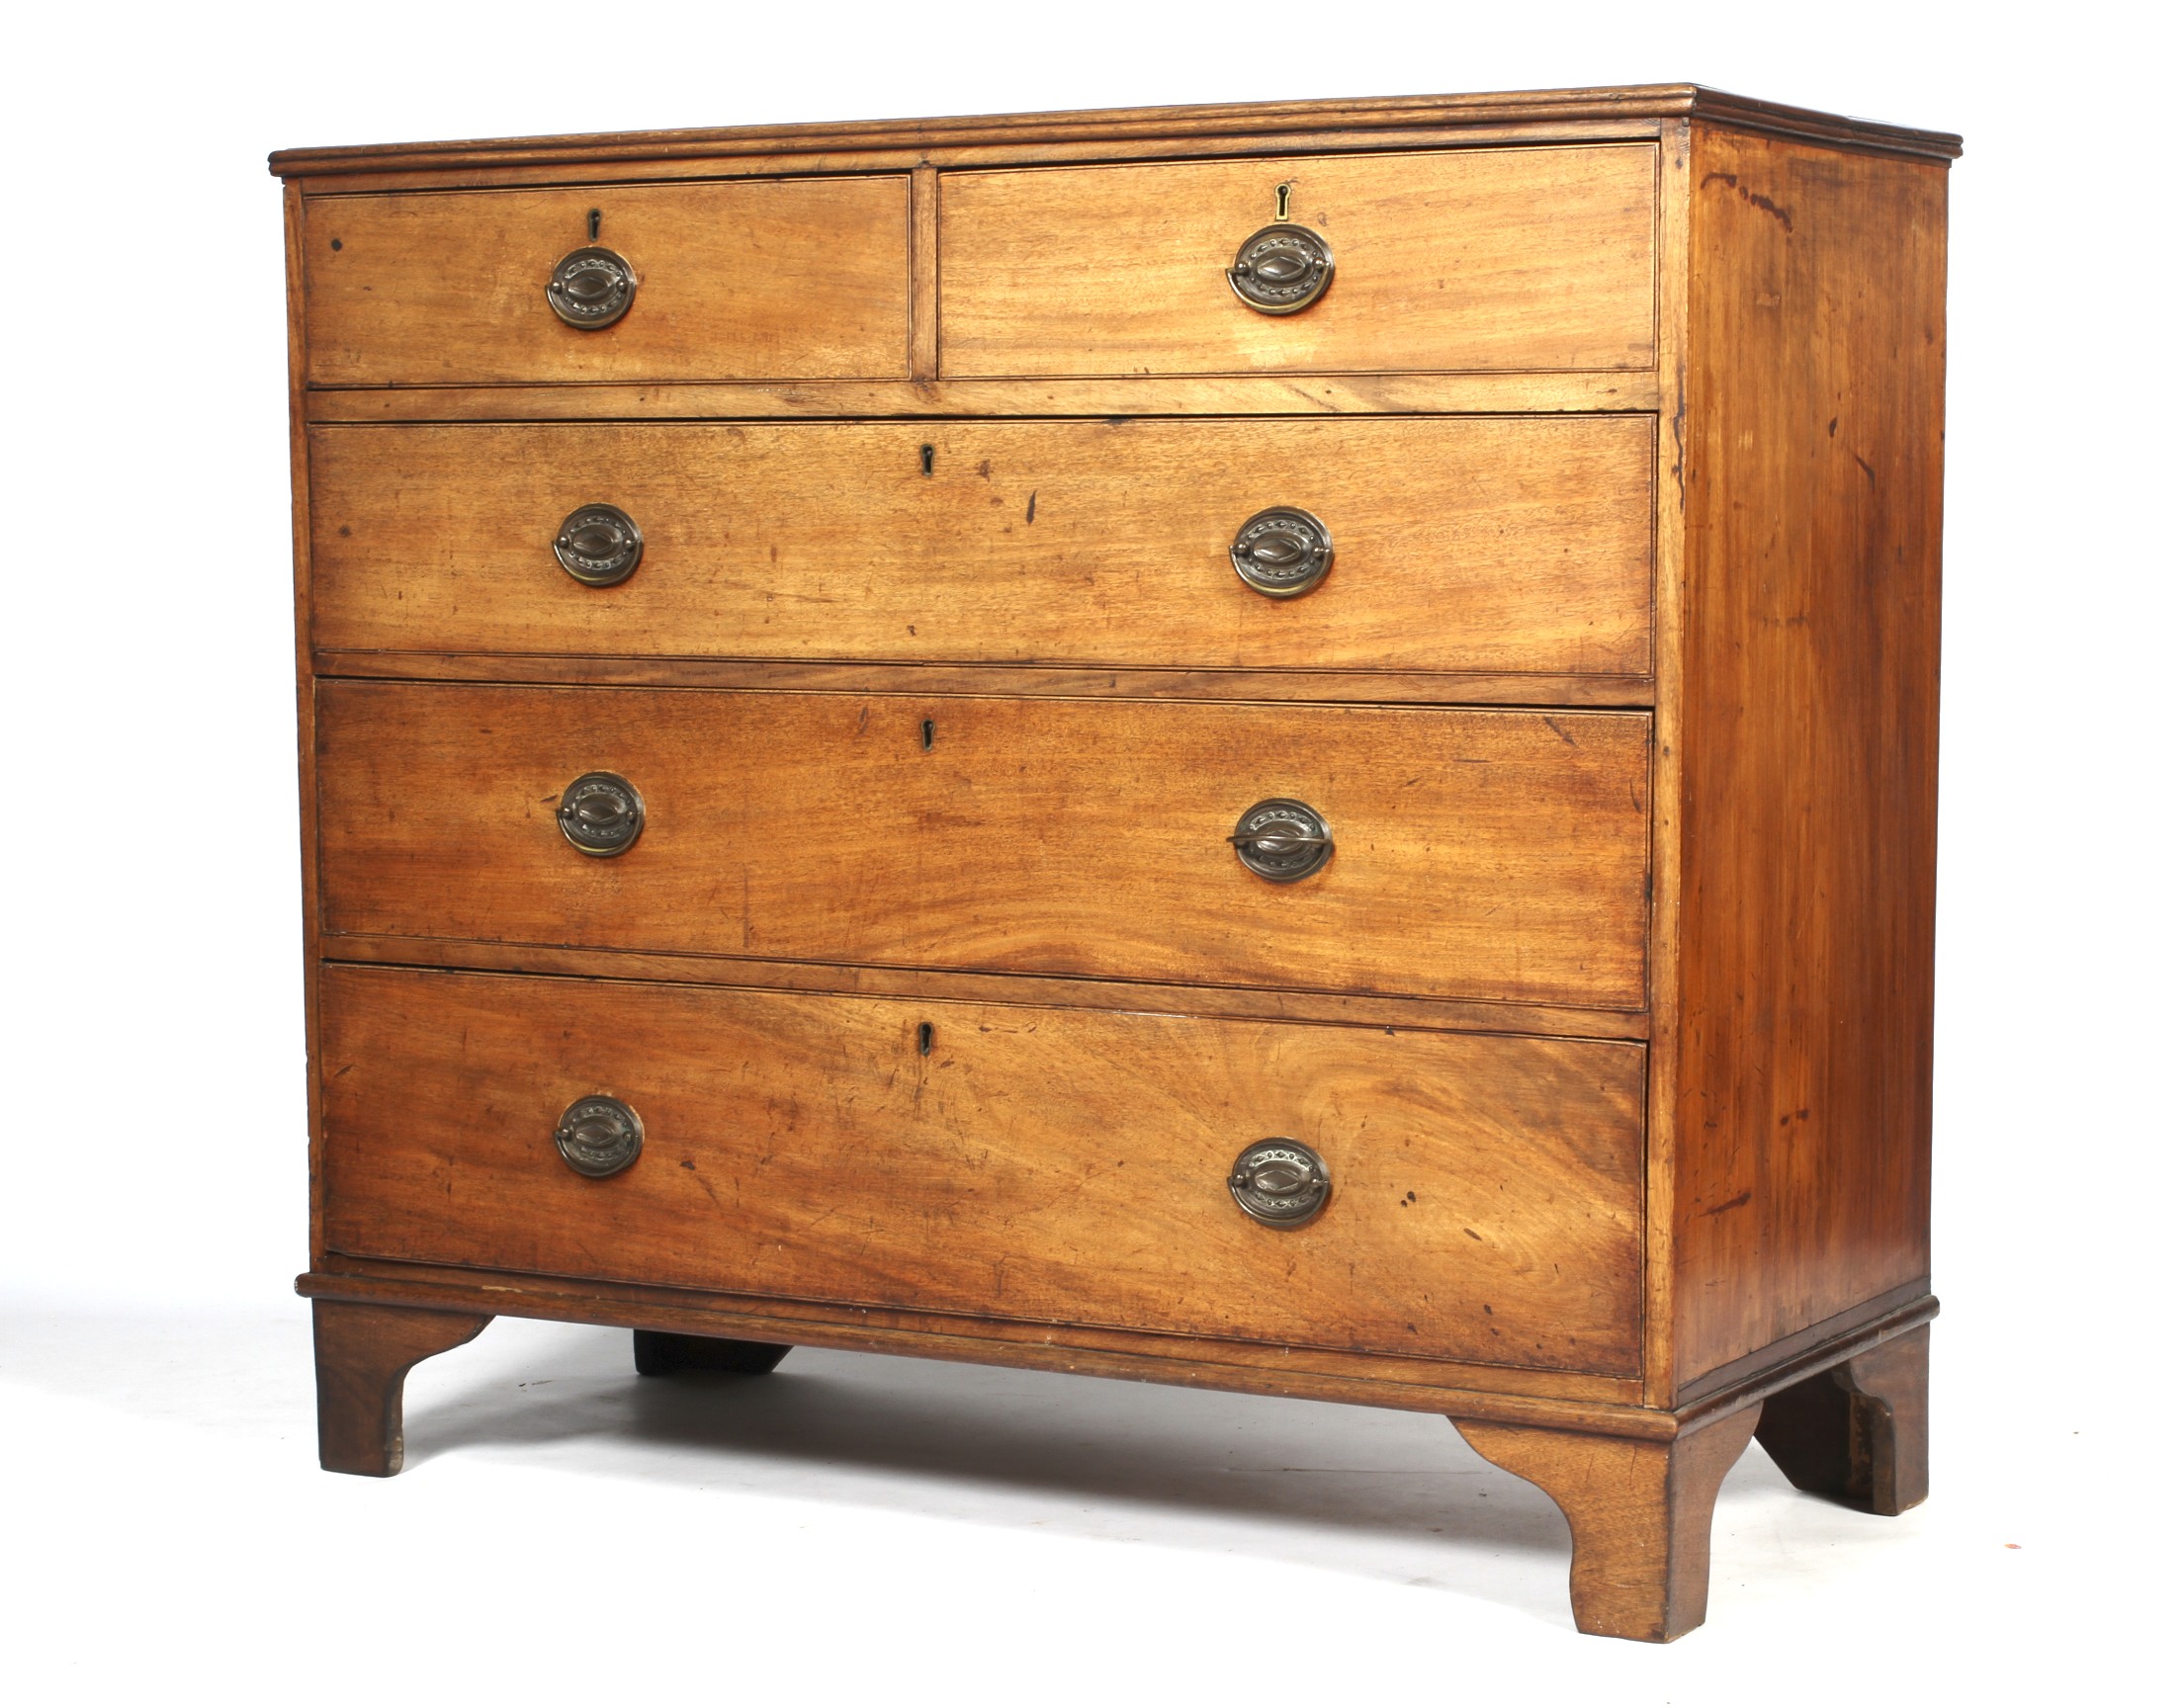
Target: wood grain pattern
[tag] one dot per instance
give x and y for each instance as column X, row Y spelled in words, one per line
column 815, row 1148
column 1494, row 545
column 1488, row 259
column 1200, row 394
column 1808, row 700
column 363, row 1353
column 1673, row 216
column 1003, row 681
column 307, row 739
column 784, row 278
column 1220, row 1001
column 1640, row 1515
column 1478, row 854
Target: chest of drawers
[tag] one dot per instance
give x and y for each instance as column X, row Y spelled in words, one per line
column 1286, row 749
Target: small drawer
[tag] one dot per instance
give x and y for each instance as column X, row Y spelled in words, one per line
column 1488, row 855
column 1483, row 259
column 789, row 278
column 1484, row 543
column 1481, row 1194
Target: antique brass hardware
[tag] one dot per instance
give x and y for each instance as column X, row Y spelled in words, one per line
column 1283, row 840
column 600, row 545
column 1282, row 552
column 601, row 813
column 1282, row 269
column 599, row 1136
column 1280, row 1182
column 591, row 287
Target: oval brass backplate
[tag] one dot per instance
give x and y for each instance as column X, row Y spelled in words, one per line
column 599, row 1136
column 1283, row 840
column 601, row 813
column 591, row 287
column 1281, row 269
column 1283, row 553
column 1280, row 1182
column 600, row 545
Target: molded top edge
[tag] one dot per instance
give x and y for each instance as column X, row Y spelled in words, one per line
column 1271, row 120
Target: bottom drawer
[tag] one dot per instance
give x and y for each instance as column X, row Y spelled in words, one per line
column 1032, row 1164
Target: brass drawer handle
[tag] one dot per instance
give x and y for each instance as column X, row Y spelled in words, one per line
column 1280, row 1182
column 599, row 1136
column 1283, row 840
column 600, row 545
column 1282, row 269
column 1283, row 553
column 601, row 813
column 591, row 287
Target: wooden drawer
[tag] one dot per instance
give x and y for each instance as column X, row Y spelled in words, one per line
column 1528, row 540
column 1492, row 258
column 1497, row 855
column 793, row 279
column 1039, row 1164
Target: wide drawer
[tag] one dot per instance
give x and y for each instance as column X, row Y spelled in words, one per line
column 799, row 278
column 1041, row 1164
column 1476, row 854
column 1482, row 259
column 1471, row 545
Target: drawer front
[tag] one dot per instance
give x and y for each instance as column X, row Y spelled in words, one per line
column 1485, row 544
column 1487, row 259
column 1497, row 855
column 1039, row 1164
column 791, row 279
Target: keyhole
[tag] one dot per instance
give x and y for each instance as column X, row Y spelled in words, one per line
column 925, row 1037
column 592, row 219
column 925, row 459
column 928, row 734
column 1281, row 204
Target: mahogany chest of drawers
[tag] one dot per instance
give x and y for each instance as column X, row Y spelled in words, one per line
column 1285, row 748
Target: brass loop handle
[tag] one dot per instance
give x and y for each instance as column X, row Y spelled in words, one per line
column 1279, row 1182
column 1283, row 840
column 1282, row 269
column 599, row 1136
column 1283, row 553
column 601, row 813
column 591, row 287
column 600, row 545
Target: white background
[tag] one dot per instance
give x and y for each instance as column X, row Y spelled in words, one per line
column 875, row 1529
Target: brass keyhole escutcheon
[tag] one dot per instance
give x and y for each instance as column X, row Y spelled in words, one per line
column 1281, row 204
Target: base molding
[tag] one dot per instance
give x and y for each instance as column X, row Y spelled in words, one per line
column 1452, row 1391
